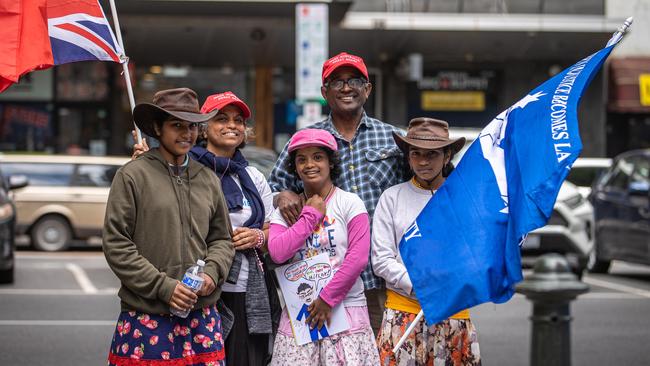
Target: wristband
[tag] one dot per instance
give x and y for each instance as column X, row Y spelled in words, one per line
column 260, row 238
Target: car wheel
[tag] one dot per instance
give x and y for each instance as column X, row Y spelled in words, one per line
column 596, row 265
column 7, row 275
column 51, row 234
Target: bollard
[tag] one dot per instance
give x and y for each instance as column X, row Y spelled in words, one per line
column 551, row 288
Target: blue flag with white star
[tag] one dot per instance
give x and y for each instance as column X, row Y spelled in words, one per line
column 464, row 247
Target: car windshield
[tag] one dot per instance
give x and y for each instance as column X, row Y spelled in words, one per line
column 41, row 174
column 584, row 176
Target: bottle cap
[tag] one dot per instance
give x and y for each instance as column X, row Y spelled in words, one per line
column 200, row 262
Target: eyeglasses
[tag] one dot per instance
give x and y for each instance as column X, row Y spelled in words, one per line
column 354, row 83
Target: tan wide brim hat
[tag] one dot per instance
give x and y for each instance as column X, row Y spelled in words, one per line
column 181, row 103
column 428, row 133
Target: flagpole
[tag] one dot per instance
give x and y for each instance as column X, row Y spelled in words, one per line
column 409, row 330
column 125, row 66
column 618, row 35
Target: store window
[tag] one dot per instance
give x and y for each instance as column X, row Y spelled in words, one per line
column 83, row 99
column 25, row 127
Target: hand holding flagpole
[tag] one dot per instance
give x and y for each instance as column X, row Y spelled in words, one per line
column 125, row 66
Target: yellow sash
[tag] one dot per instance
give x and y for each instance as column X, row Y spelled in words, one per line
column 400, row 302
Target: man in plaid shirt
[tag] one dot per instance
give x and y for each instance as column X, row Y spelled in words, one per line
column 371, row 162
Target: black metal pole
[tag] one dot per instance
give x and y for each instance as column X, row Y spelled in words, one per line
column 551, row 288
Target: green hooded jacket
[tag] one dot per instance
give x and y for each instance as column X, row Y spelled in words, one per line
column 158, row 225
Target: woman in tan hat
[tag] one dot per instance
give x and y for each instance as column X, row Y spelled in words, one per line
column 165, row 213
column 429, row 151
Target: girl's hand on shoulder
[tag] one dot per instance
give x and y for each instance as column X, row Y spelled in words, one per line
column 316, row 202
column 319, row 313
column 290, row 205
column 182, row 298
column 244, row 238
column 208, row 286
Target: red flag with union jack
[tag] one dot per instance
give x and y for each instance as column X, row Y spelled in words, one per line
column 37, row 34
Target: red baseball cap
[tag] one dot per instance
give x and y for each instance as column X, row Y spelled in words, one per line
column 311, row 137
column 344, row 59
column 220, row 100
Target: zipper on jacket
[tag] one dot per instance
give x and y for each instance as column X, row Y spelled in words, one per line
column 179, row 182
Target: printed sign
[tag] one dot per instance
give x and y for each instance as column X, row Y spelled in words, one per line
column 644, row 89
column 301, row 282
column 311, row 49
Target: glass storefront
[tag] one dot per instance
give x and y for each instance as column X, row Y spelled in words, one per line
column 64, row 110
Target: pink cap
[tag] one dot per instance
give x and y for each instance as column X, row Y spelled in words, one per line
column 219, row 101
column 311, row 137
column 344, row 59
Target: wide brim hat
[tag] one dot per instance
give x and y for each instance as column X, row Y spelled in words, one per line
column 181, row 103
column 428, row 133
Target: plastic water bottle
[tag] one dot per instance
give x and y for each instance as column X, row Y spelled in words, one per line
column 192, row 280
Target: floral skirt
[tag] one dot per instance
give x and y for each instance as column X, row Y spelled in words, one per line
column 161, row 340
column 452, row 342
column 343, row 349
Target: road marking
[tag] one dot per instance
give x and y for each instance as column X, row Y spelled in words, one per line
column 617, row 286
column 608, row 296
column 57, row 322
column 60, row 255
column 56, row 292
column 82, row 278
column 598, row 296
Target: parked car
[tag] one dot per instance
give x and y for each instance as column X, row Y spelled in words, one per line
column 569, row 231
column 7, row 225
column 621, row 199
column 585, row 171
column 262, row 158
column 66, row 197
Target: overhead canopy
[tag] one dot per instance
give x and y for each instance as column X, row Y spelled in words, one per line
column 247, row 33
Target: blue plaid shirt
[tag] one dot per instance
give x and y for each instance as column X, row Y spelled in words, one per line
column 370, row 163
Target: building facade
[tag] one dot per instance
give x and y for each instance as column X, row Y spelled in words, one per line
column 460, row 60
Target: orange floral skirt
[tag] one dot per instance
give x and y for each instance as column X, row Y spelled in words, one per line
column 452, row 342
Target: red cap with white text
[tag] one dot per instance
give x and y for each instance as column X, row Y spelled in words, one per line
column 344, row 59
column 219, row 101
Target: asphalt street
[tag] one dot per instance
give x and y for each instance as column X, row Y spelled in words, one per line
column 62, row 309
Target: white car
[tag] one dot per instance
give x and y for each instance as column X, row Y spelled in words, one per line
column 569, row 231
column 585, row 171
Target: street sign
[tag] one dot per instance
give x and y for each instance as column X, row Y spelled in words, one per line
column 311, row 49
column 644, row 89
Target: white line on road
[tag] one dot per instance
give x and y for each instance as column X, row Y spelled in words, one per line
column 57, row 322
column 598, row 296
column 82, row 278
column 56, row 292
column 61, row 255
column 617, row 287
